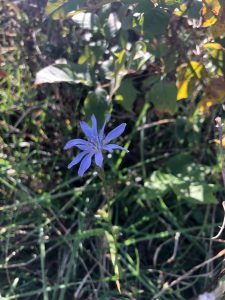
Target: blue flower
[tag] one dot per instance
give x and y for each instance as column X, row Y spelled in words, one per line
column 96, row 143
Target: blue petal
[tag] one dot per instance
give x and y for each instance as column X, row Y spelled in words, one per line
column 77, row 159
column 101, row 132
column 86, row 129
column 85, row 164
column 99, row 159
column 94, row 125
column 115, row 133
column 75, row 142
column 87, row 147
column 111, row 147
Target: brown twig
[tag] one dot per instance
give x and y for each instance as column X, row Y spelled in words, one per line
column 187, row 274
column 157, row 123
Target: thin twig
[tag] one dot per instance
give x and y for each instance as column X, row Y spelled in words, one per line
column 157, row 123
column 176, row 243
column 187, row 274
column 223, row 225
column 219, row 127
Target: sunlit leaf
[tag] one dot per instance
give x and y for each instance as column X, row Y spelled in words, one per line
column 60, row 8
column 172, row 2
column 182, row 89
column 185, row 73
column 86, row 20
column 213, row 46
column 180, row 11
column 210, row 11
column 64, row 72
column 112, row 25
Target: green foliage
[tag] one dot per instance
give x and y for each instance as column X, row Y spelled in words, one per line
column 62, row 72
column 95, row 103
column 127, row 94
column 163, row 95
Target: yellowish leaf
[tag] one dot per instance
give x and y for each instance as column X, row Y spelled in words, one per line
column 218, row 29
column 182, row 89
column 180, row 10
column 210, row 11
column 217, row 141
column 214, row 94
column 210, row 46
column 185, row 74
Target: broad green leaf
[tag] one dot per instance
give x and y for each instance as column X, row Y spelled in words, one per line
column 156, row 186
column 112, row 26
column 155, row 22
column 199, row 192
column 96, row 103
column 126, row 94
column 182, row 176
column 66, row 72
column 86, row 20
column 163, row 95
column 192, row 185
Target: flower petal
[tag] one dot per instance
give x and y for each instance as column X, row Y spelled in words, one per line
column 75, row 142
column 101, row 132
column 99, row 159
column 87, row 130
column 111, row 147
column 77, row 159
column 94, row 125
column 115, row 133
column 85, row 164
column 87, row 147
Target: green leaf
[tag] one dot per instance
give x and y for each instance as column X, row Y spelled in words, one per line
column 112, row 25
column 54, row 5
column 126, row 94
column 163, row 95
column 66, row 72
column 195, row 191
column 60, row 8
column 182, row 184
column 86, row 20
column 155, row 23
column 156, row 186
column 172, row 2
column 96, row 103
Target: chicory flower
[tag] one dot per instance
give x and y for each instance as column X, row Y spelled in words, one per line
column 96, row 143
